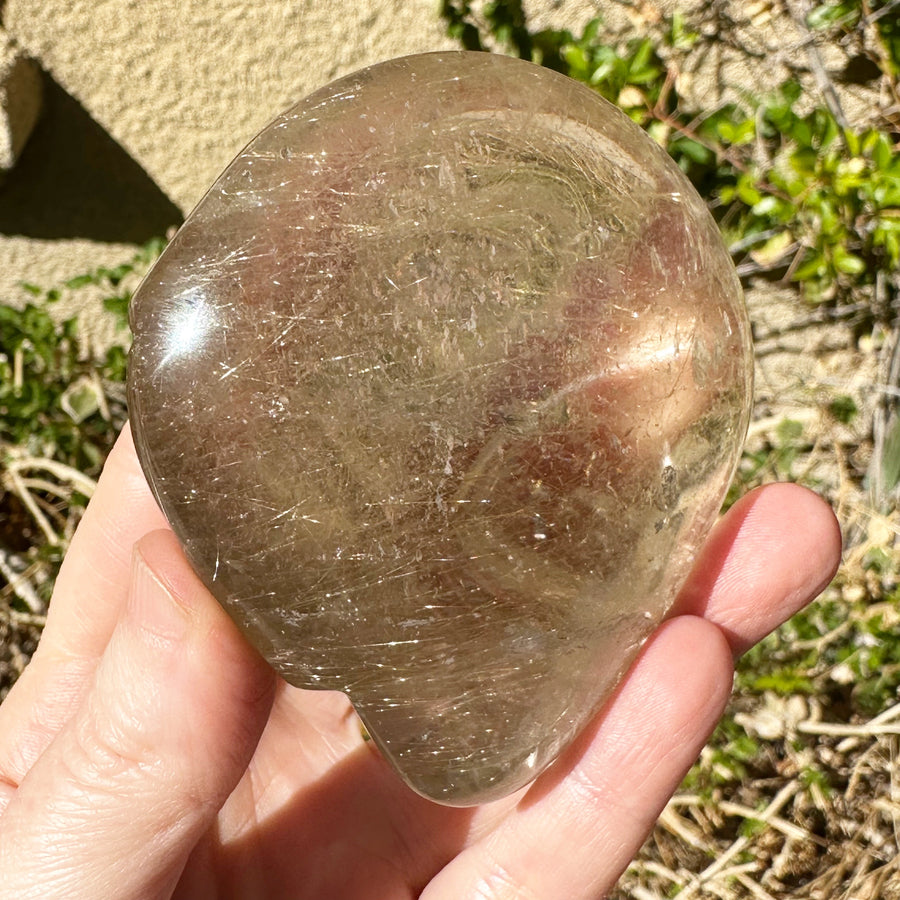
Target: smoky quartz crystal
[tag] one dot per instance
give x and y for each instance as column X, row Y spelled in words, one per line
column 441, row 386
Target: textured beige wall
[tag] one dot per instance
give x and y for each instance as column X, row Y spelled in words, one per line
column 179, row 86
column 20, row 101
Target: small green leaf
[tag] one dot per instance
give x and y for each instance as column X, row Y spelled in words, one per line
column 773, row 249
column 785, row 683
column 790, row 92
column 119, row 306
column 890, row 457
column 751, row 828
column 814, row 267
column 577, row 61
column 788, row 430
column 115, row 275
column 765, row 206
column 80, row 400
column 738, row 133
column 79, row 281
column 827, row 15
column 848, row 263
column 727, row 193
column 748, row 191
column 591, row 30
column 843, row 408
column 882, row 152
column 693, row 150
column 804, row 161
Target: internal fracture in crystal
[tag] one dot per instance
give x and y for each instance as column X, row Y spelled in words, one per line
column 441, row 387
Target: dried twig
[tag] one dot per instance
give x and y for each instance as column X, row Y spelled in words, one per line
column 11, row 569
column 79, row 480
column 826, row 86
column 889, row 378
column 739, row 845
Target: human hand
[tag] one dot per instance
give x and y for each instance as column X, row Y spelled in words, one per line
column 149, row 752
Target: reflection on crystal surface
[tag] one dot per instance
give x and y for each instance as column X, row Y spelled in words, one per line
column 441, row 386
column 186, row 327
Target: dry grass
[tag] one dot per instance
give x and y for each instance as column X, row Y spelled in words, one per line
column 781, row 833
column 36, row 504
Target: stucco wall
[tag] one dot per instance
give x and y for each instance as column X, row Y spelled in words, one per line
column 147, row 100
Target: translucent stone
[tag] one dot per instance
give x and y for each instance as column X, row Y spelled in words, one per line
column 441, row 386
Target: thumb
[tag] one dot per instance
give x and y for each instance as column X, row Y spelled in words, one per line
column 115, row 804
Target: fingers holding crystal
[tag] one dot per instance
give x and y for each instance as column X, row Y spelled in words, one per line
column 581, row 823
column 573, row 834
column 140, row 769
column 772, row 553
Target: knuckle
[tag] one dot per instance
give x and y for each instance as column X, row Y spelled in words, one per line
column 104, row 753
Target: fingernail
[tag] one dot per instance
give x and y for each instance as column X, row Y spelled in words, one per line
column 153, row 606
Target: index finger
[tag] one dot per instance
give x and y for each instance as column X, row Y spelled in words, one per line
column 776, row 548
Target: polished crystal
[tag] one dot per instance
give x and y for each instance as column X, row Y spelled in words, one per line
column 441, row 387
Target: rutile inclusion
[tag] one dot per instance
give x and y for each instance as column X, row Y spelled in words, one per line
column 441, row 386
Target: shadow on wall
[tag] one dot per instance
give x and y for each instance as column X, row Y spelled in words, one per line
column 74, row 181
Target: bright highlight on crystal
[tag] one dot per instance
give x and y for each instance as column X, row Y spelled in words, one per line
column 441, row 386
